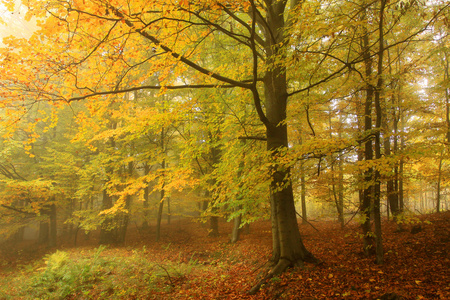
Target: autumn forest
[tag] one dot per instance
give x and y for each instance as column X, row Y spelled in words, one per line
column 260, row 149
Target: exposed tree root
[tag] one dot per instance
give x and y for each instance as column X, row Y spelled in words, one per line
column 279, row 268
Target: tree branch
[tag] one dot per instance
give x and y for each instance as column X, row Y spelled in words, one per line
column 17, row 210
column 178, row 56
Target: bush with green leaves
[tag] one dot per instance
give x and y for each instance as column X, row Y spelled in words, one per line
column 64, row 276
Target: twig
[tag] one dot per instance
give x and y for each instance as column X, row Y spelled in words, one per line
column 352, row 217
column 307, row 221
column 168, row 275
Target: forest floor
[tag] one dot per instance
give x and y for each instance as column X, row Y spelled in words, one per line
column 187, row 264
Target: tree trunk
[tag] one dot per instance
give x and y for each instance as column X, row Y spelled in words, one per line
column 447, row 97
column 401, row 194
column 236, row 229
column 146, row 199
column 18, row 235
column 366, row 204
column 288, row 247
column 379, row 116
column 341, row 192
column 215, row 159
column 162, row 195
column 107, row 226
column 168, row 211
column 159, row 216
column 438, row 189
column 303, row 196
column 43, row 232
column 392, row 181
column 213, row 226
column 124, row 217
column 52, row 230
column 291, row 249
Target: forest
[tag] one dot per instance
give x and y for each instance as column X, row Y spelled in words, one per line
column 257, row 149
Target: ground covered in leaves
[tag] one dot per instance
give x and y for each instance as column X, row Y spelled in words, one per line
column 187, row 264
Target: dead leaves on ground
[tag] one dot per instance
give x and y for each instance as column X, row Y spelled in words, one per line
column 416, row 265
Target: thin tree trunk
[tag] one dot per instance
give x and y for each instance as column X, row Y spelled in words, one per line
column 159, row 215
column 379, row 115
column 401, row 193
column 214, row 220
column 146, row 199
column 107, row 226
column 368, row 193
column 341, row 218
column 43, row 232
column 236, row 229
column 169, row 214
column 52, row 230
column 125, row 216
column 303, row 196
column 438, row 189
column 162, row 194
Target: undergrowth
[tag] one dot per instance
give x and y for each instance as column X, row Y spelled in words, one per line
column 94, row 274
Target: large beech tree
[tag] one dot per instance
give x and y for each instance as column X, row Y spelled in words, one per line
column 96, row 48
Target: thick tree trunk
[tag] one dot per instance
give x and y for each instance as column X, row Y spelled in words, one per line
column 288, row 247
column 284, row 219
column 213, row 226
